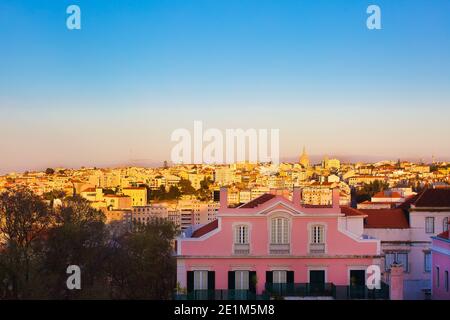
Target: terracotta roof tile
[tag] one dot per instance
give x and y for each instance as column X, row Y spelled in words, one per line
column 433, row 198
column 205, row 229
column 385, row 218
column 444, row 235
column 256, row 202
column 349, row 211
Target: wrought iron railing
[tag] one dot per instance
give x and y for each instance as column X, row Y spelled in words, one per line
column 300, row 289
column 221, row 295
column 326, row 290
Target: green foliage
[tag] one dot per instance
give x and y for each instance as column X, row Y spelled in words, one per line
column 204, row 193
column 186, row 187
column 54, row 194
column 366, row 192
column 40, row 243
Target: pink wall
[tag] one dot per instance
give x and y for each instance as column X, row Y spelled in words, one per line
column 214, row 250
column 441, row 259
column 336, row 270
column 221, row 243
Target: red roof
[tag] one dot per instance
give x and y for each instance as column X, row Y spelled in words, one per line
column 444, row 235
column 205, row 229
column 349, row 211
column 436, row 198
column 383, row 194
column 256, row 202
column 385, row 218
column 407, row 203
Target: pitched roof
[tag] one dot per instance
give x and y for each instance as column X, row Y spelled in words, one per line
column 385, row 218
column 436, row 198
column 349, row 211
column 407, row 203
column 444, row 235
column 256, row 202
column 205, row 229
column 383, row 194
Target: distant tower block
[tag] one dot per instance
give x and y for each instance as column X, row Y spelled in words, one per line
column 304, row 159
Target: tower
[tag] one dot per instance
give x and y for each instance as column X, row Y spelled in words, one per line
column 304, row 159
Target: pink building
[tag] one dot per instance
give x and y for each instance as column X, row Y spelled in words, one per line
column 276, row 245
column 440, row 257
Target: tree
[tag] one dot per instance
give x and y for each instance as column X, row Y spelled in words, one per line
column 174, row 193
column 204, row 193
column 142, row 264
column 79, row 238
column 24, row 221
column 49, row 171
column 367, row 191
column 54, row 194
column 158, row 194
column 186, row 187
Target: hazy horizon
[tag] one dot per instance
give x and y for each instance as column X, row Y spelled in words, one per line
column 113, row 92
column 315, row 159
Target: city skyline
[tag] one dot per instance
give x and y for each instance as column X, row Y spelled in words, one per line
column 314, row 159
column 116, row 89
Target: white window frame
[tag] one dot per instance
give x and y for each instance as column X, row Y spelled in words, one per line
column 279, row 276
column 317, row 234
column 279, row 230
column 387, row 266
column 427, row 267
column 200, row 280
column 427, row 225
column 445, row 224
column 241, row 280
column 241, row 234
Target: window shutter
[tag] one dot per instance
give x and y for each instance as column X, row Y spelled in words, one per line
column 269, row 277
column 290, row 276
column 231, row 280
column 211, row 280
column 190, row 281
column 252, row 281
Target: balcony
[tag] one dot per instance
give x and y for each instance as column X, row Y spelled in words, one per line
column 221, row 295
column 241, row 249
column 317, row 248
column 303, row 290
column 276, row 248
column 300, row 289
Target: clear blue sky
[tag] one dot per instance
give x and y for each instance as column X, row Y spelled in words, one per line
column 115, row 90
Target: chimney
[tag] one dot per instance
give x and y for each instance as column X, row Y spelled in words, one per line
column 223, row 198
column 336, row 198
column 297, row 196
column 396, row 285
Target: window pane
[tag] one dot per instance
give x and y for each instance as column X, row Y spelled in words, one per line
column 389, row 260
column 279, row 276
column 403, row 259
column 200, row 280
column 241, row 280
column 437, row 277
column 427, row 262
column 280, row 231
column 446, row 280
column 429, row 224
